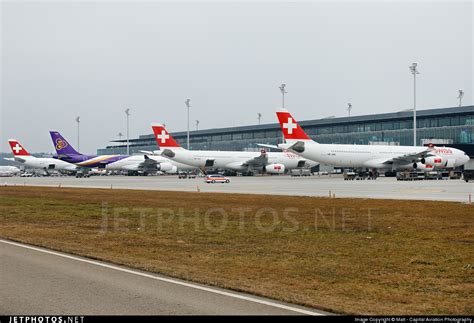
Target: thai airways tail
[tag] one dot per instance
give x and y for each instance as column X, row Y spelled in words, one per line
column 17, row 148
column 63, row 148
column 292, row 131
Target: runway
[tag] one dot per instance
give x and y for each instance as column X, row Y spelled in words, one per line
column 41, row 281
column 383, row 188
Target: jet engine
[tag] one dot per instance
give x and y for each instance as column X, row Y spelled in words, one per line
column 127, row 167
column 275, row 169
column 165, row 167
column 422, row 167
column 436, row 161
column 173, row 170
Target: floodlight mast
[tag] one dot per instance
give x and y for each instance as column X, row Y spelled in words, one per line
column 78, row 120
column 283, row 92
column 127, row 112
column 349, row 108
column 188, row 105
column 461, row 94
column 259, row 116
column 414, row 71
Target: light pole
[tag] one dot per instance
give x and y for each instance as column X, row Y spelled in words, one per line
column 461, row 94
column 283, row 91
column 414, row 72
column 78, row 120
column 120, row 135
column 349, row 108
column 197, row 124
column 127, row 112
column 259, row 116
column 188, row 105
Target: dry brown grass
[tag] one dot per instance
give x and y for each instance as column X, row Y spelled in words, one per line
column 401, row 257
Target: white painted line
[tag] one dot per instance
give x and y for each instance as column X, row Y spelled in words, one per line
column 167, row 280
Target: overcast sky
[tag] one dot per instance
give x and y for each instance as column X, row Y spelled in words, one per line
column 61, row 60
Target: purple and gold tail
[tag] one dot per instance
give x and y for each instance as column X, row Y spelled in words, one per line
column 63, row 148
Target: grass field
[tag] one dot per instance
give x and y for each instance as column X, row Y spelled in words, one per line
column 342, row 255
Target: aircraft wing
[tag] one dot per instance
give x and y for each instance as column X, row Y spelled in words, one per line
column 259, row 161
column 409, row 158
column 148, row 163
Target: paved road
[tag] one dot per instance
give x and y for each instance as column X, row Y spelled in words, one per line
column 385, row 188
column 39, row 281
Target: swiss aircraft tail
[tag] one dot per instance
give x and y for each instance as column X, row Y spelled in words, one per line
column 163, row 138
column 290, row 128
column 17, row 148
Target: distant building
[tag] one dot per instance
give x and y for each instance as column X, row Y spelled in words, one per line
column 446, row 126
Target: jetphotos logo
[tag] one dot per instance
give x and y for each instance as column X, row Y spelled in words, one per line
column 60, row 144
column 46, row 319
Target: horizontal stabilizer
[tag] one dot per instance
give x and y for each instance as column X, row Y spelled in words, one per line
column 270, row 146
column 168, row 153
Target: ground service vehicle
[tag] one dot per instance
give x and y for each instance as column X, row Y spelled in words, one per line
column 468, row 172
column 216, row 179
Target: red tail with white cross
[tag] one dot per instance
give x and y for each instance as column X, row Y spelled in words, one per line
column 163, row 138
column 290, row 128
column 17, row 148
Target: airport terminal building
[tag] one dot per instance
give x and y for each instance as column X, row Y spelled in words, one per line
column 444, row 126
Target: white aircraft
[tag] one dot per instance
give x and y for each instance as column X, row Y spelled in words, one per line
column 269, row 162
column 147, row 164
column 367, row 156
column 138, row 163
column 22, row 156
column 7, row 171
